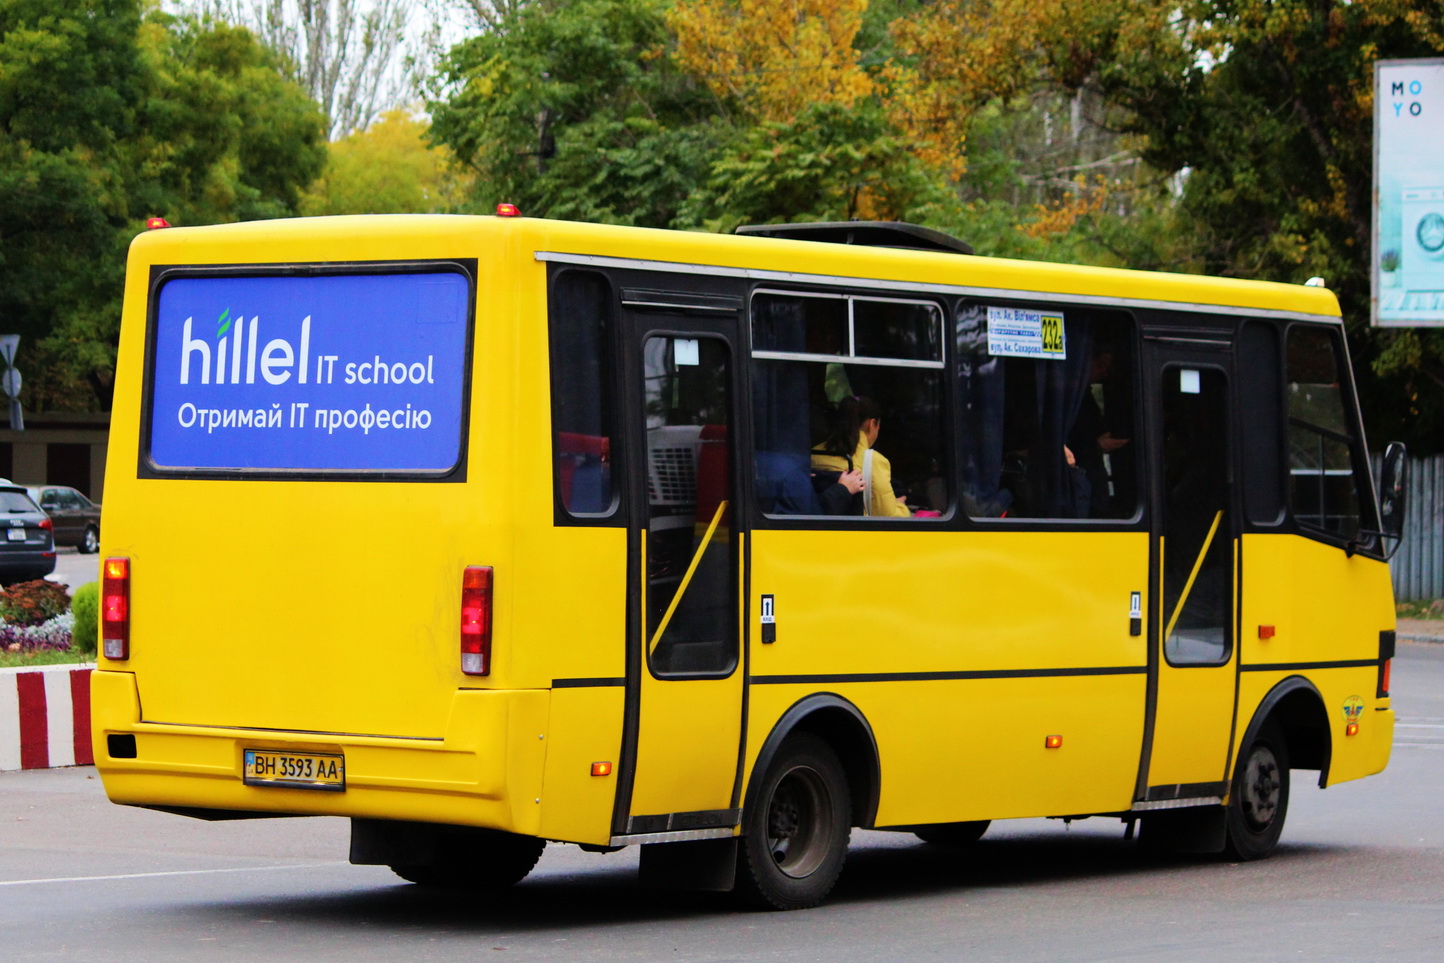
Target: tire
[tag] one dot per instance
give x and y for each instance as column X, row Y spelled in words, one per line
column 954, row 834
column 476, row 861
column 90, row 541
column 1258, row 799
column 795, row 841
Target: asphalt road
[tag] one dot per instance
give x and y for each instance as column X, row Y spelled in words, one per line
column 1359, row 876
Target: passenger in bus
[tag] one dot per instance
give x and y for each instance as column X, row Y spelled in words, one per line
column 1094, row 441
column 855, row 425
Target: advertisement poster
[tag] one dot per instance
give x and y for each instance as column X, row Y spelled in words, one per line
column 1408, row 256
column 334, row 373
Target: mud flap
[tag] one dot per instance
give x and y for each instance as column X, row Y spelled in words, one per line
column 1199, row 829
column 708, row 865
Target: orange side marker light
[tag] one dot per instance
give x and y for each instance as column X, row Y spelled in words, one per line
column 1265, row 631
column 601, row 769
column 1352, row 729
column 1053, row 742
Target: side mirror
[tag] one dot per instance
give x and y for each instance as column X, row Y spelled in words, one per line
column 1393, row 496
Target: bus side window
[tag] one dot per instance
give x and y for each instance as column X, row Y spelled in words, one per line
column 582, row 419
column 1261, row 428
column 1323, row 492
column 1048, row 412
column 820, row 357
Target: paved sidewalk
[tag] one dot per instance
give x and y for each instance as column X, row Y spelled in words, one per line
column 1421, row 630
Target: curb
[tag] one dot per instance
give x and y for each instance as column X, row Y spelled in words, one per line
column 45, row 717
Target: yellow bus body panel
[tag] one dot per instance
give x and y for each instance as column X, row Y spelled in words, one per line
column 981, row 602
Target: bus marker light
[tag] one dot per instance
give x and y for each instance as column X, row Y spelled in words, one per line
column 1053, row 742
column 1384, row 680
column 1352, row 729
column 115, row 608
column 601, row 769
column 508, row 210
column 156, row 223
column 1265, row 631
column 476, row 620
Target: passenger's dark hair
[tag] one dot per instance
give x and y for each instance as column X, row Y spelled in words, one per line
column 844, row 425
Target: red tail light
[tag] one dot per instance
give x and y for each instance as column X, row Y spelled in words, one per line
column 115, row 608
column 476, row 620
column 47, row 524
column 1384, row 677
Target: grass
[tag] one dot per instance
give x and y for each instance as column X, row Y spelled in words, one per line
column 1420, row 609
column 10, row 660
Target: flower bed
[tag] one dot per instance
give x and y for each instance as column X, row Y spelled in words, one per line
column 38, row 626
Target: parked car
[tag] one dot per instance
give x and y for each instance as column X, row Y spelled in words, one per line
column 27, row 549
column 76, row 518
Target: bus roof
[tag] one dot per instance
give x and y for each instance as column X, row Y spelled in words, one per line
column 365, row 237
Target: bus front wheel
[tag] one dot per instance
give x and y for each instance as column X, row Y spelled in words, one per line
column 796, row 840
column 1258, row 800
column 478, row 859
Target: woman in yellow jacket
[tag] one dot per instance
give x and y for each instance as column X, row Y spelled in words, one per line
column 855, row 430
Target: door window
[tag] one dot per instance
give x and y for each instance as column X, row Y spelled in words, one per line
column 1197, row 539
column 691, row 570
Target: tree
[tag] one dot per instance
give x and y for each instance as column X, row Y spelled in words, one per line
column 355, row 57
column 578, row 112
column 387, row 169
column 108, row 117
column 1267, row 105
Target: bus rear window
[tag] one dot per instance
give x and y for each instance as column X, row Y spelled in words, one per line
column 348, row 373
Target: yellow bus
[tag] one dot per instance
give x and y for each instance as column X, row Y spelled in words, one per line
column 490, row 531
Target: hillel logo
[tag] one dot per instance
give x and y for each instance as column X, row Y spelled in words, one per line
column 239, row 352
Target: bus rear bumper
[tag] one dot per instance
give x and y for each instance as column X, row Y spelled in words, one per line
column 486, row 770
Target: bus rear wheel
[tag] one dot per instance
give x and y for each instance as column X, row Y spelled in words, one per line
column 796, row 840
column 1258, row 800
column 476, row 860
column 954, row 834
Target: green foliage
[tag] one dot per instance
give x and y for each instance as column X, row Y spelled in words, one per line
column 1267, row 105
column 576, row 111
column 85, row 605
column 31, row 603
column 109, row 114
column 386, row 169
column 830, row 163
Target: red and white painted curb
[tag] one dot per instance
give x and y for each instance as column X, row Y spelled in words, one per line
column 45, row 717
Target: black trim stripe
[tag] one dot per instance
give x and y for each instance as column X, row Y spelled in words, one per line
column 587, row 683
column 1298, row 666
column 842, row 677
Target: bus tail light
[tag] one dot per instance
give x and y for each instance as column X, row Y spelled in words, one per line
column 476, row 620
column 115, row 608
column 1386, row 662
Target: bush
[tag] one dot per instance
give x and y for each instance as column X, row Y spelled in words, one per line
column 86, row 608
column 33, row 603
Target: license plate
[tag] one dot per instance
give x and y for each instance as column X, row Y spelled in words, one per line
column 295, row 770
column 16, row 534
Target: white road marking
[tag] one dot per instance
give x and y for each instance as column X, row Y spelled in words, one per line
column 178, row 872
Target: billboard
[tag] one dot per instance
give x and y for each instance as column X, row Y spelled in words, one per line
column 1408, row 255
column 343, row 373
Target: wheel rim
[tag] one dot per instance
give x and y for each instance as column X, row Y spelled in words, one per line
column 797, row 819
column 92, row 540
column 1261, row 788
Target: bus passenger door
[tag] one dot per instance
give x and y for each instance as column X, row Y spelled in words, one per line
column 1192, row 656
column 684, row 677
